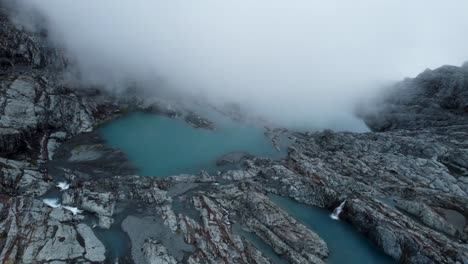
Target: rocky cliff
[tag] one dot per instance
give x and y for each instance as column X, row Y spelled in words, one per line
column 405, row 184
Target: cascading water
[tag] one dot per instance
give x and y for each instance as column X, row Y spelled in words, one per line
column 336, row 213
column 54, row 203
column 73, row 210
column 63, row 186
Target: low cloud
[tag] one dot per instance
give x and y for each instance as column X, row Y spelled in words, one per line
column 299, row 62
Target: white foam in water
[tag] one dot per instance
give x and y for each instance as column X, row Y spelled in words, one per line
column 74, row 210
column 336, row 213
column 63, row 186
column 54, row 203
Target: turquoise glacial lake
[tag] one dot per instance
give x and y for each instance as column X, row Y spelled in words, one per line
column 162, row 146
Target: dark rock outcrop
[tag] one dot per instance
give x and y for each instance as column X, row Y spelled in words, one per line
column 434, row 99
column 35, row 99
column 198, row 121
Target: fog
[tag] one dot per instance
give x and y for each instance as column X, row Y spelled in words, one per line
column 298, row 62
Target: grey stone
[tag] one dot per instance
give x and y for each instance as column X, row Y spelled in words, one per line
column 95, row 250
column 156, row 253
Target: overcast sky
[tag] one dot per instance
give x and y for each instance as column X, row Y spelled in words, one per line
column 300, row 61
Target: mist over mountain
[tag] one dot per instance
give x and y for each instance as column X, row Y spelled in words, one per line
column 297, row 62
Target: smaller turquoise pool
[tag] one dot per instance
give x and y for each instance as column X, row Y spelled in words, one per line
column 162, row 146
column 345, row 243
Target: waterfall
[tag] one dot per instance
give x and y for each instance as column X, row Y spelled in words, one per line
column 336, row 213
column 74, row 210
column 63, row 186
column 54, row 203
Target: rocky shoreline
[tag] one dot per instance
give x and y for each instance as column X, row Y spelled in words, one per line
column 405, row 184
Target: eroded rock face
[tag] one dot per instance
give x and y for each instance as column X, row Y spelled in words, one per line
column 35, row 100
column 34, row 232
column 368, row 169
column 222, row 206
column 22, row 178
column 401, row 237
column 19, row 47
column 38, row 111
column 155, row 253
column 434, row 99
column 33, row 106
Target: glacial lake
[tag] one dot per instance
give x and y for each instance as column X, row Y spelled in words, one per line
column 162, row 146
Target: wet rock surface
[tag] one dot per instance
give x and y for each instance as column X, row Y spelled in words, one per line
column 151, row 239
column 406, row 184
column 233, row 158
column 198, row 121
column 34, row 232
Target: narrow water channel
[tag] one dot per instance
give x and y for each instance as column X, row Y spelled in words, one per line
column 345, row 243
